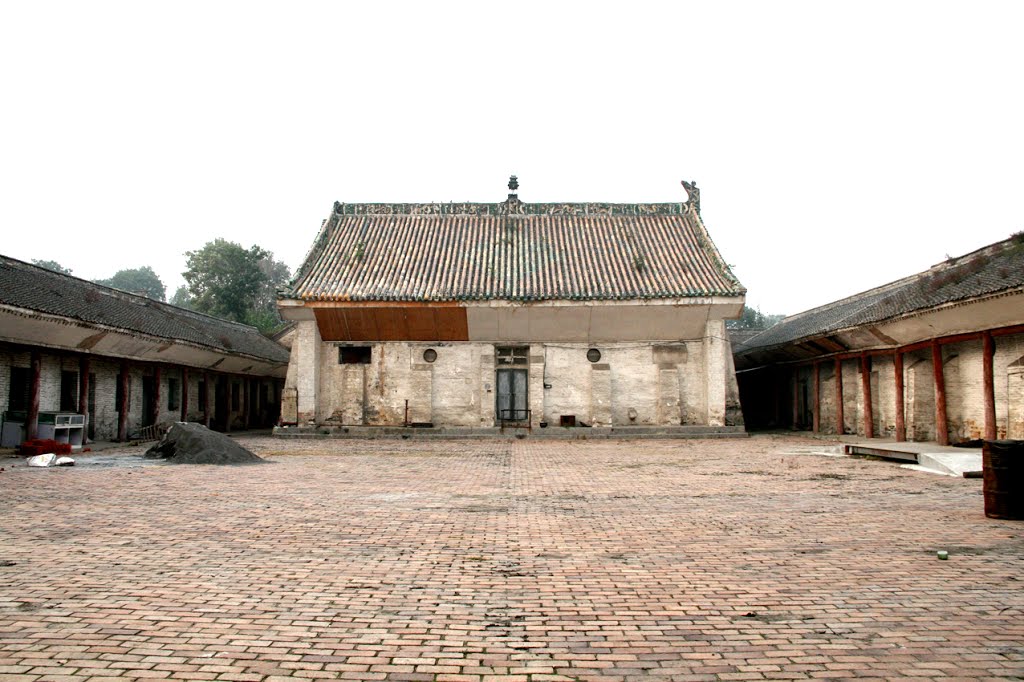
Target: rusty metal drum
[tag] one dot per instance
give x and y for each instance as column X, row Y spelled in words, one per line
column 1003, row 464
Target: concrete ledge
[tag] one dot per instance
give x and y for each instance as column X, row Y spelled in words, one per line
column 942, row 459
column 550, row 433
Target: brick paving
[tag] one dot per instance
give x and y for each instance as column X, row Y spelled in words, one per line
column 522, row 560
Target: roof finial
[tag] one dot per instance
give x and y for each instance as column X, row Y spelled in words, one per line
column 513, row 183
column 692, row 194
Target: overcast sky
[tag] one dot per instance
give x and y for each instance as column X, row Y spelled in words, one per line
column 837, row 146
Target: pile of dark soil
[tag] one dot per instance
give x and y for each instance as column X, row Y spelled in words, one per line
column 186, row 443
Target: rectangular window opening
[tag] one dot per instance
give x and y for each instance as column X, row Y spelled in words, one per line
column 354, row 355
column 68, row 391
column 512, row 355
column 173, row 394
column 20, row 389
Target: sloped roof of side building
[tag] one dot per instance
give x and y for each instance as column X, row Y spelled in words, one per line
column 994, row 270
column 31, row 288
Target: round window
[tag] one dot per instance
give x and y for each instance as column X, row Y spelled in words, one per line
column 430, row 355
column 594, row 355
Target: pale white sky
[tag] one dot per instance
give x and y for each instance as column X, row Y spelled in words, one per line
column 837, row 146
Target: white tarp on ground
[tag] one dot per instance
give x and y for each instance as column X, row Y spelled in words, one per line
column 50, row 460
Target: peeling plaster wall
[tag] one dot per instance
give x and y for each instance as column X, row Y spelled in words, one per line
column 632, row 383
column 883, row 396
column 1009, row 386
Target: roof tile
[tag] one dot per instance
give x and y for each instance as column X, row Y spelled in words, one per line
column 466, row 252
column 33, row 288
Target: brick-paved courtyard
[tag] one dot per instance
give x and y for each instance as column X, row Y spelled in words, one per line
column 507, row 560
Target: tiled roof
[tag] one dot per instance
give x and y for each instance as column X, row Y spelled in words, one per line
column 33, row 288
column 988, row 271
column 512, row 251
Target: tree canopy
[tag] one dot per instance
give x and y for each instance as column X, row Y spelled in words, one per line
column 52, row 265
column 753, row 318
column 182, row 298
column 229, row 281
column 138, row 281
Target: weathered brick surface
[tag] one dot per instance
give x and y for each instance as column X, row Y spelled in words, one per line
column 507, row 560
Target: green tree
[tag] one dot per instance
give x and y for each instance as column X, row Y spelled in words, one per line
column 52, row 265
column 138, row 281
column 181, row 298
column 227, row 280
column 753, row 318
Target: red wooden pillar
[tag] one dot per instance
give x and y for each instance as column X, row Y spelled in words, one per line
column 989, row 391
column 779, row 392
column 84, row 365
column 32, row 419
column 865, row 384
column 901, row 426
column 184, row 394
column 796, row 400
column 840, row 420
column 154, row 417
column 122, row 407
column 228, row 402
column 941, row 429
column 816, row 415
column 245, row 402
column 206, row 399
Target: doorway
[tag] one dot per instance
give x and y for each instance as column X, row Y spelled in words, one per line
column 512, row 403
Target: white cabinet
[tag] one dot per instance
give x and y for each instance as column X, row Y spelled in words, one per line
column 63, row 427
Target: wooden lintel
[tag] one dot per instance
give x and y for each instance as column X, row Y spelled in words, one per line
column 910, row 347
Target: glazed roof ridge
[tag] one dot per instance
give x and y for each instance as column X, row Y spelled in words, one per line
column 511, row 207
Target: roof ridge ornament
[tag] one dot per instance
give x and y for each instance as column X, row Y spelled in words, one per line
column 692, row 194
column 512, row 205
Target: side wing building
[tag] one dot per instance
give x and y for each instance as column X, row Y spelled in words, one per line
column 936, row 356
column 483, row 315
column 82, row 361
